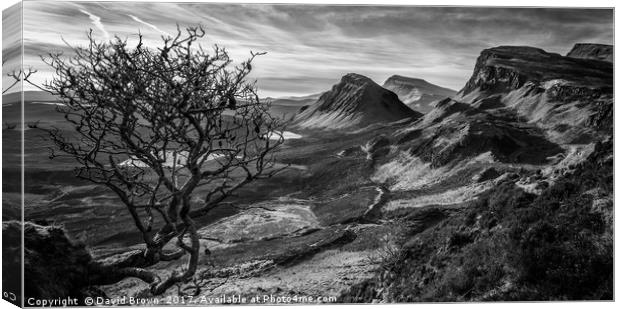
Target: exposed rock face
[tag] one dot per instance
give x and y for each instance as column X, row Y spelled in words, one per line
column 356, row 101
column 592, row 51
column 603, row 117
column 506, row 68
column 551, row 90
column 417, row 93
column 267, row 221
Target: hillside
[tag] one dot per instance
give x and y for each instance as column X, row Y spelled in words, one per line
column 501, row 192
column 32, row 96
column 417, row 93
column 561, row 94
column 508, row 245
column 287, row 107
column 356, row 101
column 295, row 100
column 504, row 192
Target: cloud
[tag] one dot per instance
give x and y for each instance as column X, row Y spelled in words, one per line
column 149, row 25
column 309, row 47
column 96, row 20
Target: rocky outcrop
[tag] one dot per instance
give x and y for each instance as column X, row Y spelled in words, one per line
column 460, row 133
column 356, row 101
column 548, row 89
column 592, row 51
column 57, row 267
column 417, row 93
column 506, row 68
column 603, row 117
column 54, row 266
column 568, row 93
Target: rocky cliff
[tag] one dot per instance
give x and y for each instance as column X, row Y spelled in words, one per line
column 592, row 51
column 557, row 92
column 507, row 68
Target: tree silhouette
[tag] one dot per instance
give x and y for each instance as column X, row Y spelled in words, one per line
column 21, row 75
column 156, row 126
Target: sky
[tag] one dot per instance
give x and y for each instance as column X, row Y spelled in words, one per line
column 310, row 47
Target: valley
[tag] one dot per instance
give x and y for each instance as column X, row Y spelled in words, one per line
column 382, row 201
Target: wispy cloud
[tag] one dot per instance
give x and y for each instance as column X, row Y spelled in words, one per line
column 148, row 25
column 309, row 47
column 96, row 20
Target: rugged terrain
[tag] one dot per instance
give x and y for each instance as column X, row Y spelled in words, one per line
column 540, row 224
column 417, row 93
column 502, row 192
column 356, row 101
column 592, row 51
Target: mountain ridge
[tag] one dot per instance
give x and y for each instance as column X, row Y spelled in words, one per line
column 505, row 68
column 595, row 51
column 353, row 102
column 417, row 93
column 29, row 96
column 559, row 93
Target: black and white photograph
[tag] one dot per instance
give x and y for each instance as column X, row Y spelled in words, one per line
column 215, row 153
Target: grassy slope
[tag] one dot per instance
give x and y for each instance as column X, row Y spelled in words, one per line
column 509, row 245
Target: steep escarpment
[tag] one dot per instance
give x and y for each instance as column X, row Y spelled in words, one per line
column 417, row 93
column 508, row 68
column 354, row 102
column 551, row 90
column 592, row 51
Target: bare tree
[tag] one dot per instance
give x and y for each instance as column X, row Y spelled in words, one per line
column 21, row 75
column 157, row 125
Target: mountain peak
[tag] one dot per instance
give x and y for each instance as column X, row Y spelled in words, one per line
column 400, row 78
column 355, row 101
column 595, row 51
column 417, row 93
column 355, row 78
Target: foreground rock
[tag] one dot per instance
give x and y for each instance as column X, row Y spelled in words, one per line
column 322, row 263
column 54, row 266
column 262, row 222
